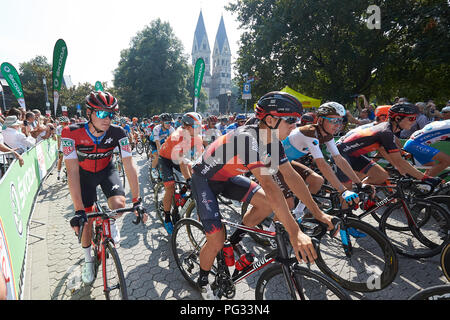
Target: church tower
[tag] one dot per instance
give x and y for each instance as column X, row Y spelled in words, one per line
column 221, row 67
column 201, row 49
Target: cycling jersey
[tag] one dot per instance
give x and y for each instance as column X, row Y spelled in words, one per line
column 160, row 134
column 210, row 134
column 180, row 144
column 307, row 139
column 419, row 142
column 93, row 153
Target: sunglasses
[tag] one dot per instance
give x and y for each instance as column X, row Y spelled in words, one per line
column 104, row 114
column 413, row 118
column 289, row 120
column 334, row 120
column 167, row 122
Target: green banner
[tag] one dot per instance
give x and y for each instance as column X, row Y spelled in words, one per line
column 199, row 71
column 99, row 86
column 13, row 79
column 18, row 188
column 59, row 62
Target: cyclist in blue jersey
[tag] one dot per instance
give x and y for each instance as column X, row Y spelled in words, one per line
column 240, row 121
column 160, row 134
column 419, row 146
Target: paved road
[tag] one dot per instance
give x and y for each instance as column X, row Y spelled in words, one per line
column 54, row 256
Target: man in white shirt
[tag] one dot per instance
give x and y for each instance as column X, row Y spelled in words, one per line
column 14, row 138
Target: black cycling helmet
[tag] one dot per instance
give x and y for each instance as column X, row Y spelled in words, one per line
column 99, row 100
column 278, row 104
column 165, row 117
column 306, row 119
column 402, row 109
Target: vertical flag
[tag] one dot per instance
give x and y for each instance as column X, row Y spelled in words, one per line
column 59, row 62
column 198, row 79
column 13, row 79
column 98, row 86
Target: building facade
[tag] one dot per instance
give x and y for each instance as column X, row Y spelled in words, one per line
column 217, row 77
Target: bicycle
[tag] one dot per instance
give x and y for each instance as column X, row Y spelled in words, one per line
column 285, row 279
column 105, row 253
column 139, row 146
column 119, row 167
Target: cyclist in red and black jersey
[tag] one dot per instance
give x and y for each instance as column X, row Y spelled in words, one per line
column 255, row 148
column 381, row 137
column 87, row 149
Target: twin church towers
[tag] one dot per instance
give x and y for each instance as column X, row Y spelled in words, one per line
column 217, row 77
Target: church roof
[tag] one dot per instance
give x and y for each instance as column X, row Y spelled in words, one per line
column 221, row 37
column 200, row 32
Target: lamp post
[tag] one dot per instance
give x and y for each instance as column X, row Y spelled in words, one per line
column 228, row 104
column 47, row 103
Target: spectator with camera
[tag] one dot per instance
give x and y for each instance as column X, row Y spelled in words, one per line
column 13, row 136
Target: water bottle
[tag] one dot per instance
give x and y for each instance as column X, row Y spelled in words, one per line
column 244, row 261
column 228, row 254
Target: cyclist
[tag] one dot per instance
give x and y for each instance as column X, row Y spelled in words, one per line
column 209, row 130
column 381, row 137
column 175, row 153
column 251, row 148
column 307, row 140
column 87, row 149
column 240, row 121
column 160, row 134
column 153, row 124
column 135, row 131
column 64, row 121
column 222, row 125
column 419, row 146
column 307, row 118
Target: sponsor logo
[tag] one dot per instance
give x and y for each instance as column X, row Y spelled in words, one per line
column 68, row 146
column 125, row 145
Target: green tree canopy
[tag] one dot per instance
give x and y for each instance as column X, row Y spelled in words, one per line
column 153, row 74
column 325, row 49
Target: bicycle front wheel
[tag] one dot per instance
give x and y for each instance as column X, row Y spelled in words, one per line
column 139, row 147
column 445, row 261
column 360, row 258
column 309, row 284
column 441, row 292
column 425, row 238
column 114, row 284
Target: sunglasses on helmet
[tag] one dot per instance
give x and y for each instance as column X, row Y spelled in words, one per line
column 333, row 120
column 104, row 114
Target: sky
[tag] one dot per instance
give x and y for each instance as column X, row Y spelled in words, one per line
column 96, row 31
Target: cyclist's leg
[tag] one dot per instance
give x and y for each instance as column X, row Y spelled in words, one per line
column 312, row 179
column 113, row 189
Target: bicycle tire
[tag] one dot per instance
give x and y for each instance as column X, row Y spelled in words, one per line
column 445, row 261
column 139, row 147
column 441, row 292
column 309, row 281
column 372, row 265
column 187, row 239
column 424, row 241
column 120, row 283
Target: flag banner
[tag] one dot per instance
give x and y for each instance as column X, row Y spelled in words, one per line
column 198, row 79
column 13, row 79
column 98, row 86
column 59, row 62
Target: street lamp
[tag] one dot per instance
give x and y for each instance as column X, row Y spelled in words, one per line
column 47, row 103
column 229, row 97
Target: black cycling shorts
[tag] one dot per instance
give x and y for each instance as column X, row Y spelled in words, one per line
column 166, row 167
column 361, row 164
column 205, row 193
column 108, row 179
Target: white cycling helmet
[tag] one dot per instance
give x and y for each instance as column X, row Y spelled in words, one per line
column 331, row 108
column 192, row 118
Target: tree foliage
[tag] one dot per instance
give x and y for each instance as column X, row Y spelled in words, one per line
column 153, row 74
column 325, row 49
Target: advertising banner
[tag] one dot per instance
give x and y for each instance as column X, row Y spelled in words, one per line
column 199, row 71
column 99, row 86
column 13, row 79
column 59, row 62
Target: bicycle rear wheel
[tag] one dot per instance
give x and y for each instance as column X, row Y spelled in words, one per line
column 187, row 239
column 139, row 147
column 441, row 292
column 425, row 240
column 310, row 285
column 370, row 265
column 445, row 261
column 114, row 284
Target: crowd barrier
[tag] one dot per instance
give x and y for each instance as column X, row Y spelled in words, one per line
column 19, row 187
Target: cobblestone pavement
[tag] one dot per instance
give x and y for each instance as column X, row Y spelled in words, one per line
column 54, row 257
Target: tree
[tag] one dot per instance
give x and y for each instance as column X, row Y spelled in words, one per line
column 325, row 49
column 31, row 75
column 152, row 75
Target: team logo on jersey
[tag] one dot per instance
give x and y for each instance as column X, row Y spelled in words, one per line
column 68, row 146
column 125, row 145
column 109, row 140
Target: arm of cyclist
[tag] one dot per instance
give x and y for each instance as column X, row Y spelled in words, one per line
column 301, row 243
column 343, row 164
column 73, row 179
column 298, row 186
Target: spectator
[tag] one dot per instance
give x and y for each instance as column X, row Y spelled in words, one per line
column 4, row 148
column 446, row 112
column 363, row 117
column 27, row 127
column 431, row 113
column 421, row 121
column 13, row 136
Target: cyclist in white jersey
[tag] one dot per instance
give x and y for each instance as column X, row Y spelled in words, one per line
column 307, row 140
column 419, row 146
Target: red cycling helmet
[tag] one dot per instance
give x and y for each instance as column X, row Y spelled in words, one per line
column 99, row 100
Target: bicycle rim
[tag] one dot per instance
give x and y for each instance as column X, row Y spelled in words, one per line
column 424, row 240
column 309, row 285
column 441, row 292
column 187, row 239
column 445, row 261
column 370, row 265
column 139, row 147
column 113, row 278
